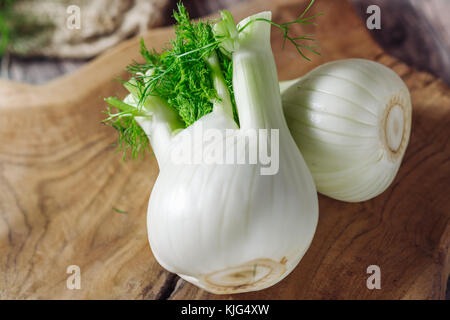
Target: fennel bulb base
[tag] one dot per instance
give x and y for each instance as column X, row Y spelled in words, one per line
column 250, row 276
column 394, row 125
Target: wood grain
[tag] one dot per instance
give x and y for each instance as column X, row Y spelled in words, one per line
column 60, row 180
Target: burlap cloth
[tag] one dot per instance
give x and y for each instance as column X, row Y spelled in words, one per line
column 103, row 23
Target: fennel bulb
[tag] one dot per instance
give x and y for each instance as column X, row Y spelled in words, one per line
column 229, row 229
column 226, row 228
column 351, row 120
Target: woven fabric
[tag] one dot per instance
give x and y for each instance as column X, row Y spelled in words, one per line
column 103, row 23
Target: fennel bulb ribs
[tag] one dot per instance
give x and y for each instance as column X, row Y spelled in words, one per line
column 230, row 227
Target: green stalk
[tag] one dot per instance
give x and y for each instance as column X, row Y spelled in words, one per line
column 255, row 78
column 159, row 121
column 223, row 102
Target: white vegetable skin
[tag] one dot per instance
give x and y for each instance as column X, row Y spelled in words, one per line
column 227, row 228
column 351, row 120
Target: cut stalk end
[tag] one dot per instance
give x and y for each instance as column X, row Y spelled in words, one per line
column 251, row 276
column 396, row 126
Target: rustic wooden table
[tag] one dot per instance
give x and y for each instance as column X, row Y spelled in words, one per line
column 59, row 180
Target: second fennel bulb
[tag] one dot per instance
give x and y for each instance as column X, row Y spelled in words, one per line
column 351, row 120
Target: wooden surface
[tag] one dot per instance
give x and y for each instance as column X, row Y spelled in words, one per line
column 60, row 180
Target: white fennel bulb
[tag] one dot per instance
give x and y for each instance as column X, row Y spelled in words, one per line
column 351, row 119
column 228, row 228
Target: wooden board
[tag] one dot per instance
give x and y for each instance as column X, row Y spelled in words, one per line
column 60, row 180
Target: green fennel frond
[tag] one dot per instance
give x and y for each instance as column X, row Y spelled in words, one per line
column 121, row 117
column 286, row 27
column 119, row 211
column 181, row 76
